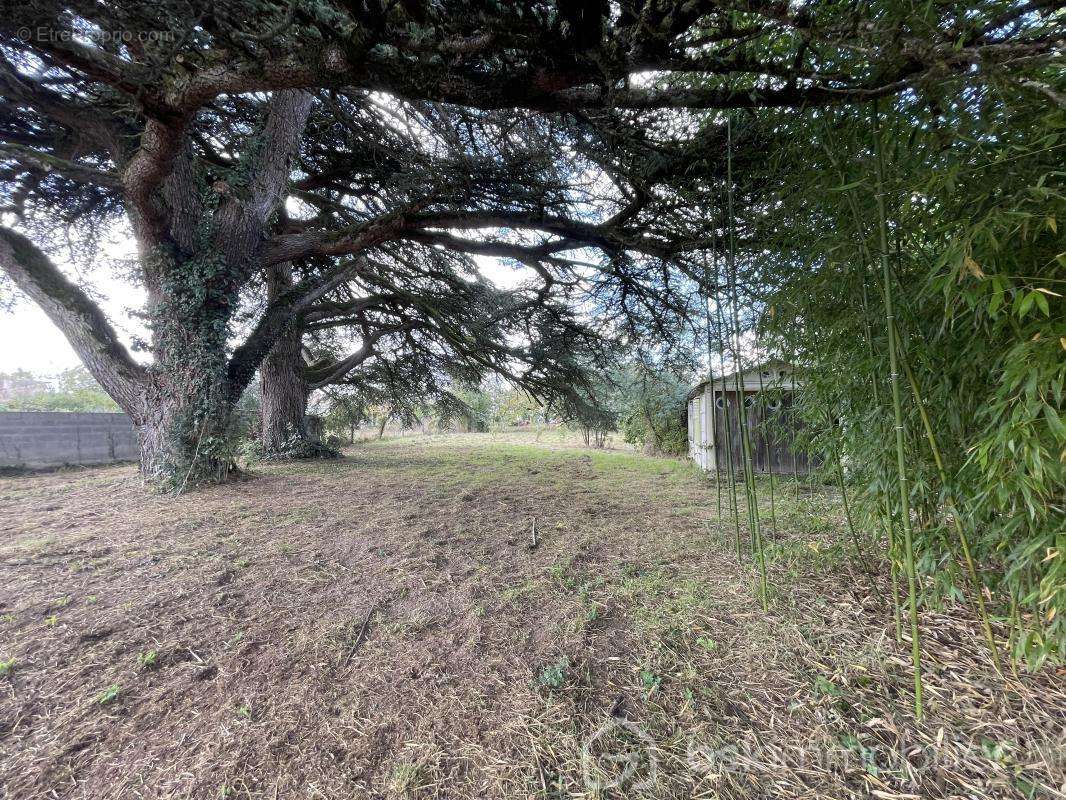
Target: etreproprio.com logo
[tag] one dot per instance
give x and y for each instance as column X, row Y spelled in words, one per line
column 43, row 33
column 620, row 755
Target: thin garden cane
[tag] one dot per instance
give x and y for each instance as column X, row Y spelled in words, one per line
column 769, row 467
column 725, row 410
column 886, row 503
column 734, row 334
column 864, row 257
column 710, row 357
column 750, row 503
column 795, row 440
column 731, row 453
column 897, row 416
column 731, row 334
column 745, row 454
column 753, row 498
column 725, row 405
column 964, row 542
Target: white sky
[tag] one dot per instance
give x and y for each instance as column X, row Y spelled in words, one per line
column 32, row 342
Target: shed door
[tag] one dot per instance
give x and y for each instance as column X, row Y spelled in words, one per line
column 771, row 431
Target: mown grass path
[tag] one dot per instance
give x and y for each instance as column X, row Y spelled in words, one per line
column 380, row 627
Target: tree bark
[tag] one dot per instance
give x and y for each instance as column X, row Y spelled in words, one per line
column 284, row 394
column 185, row 433
column 282, row 378
column 185, row 414
column 195, row 269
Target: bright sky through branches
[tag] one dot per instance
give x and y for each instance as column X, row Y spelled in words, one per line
column 32, row 343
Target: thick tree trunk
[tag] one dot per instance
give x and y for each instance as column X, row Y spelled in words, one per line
column 185, row 416
column 199, row 250
column 182, row 403
column 283, row 383
column 185, row 436
column 284, row 394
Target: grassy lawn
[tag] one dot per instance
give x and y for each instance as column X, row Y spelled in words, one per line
column 381, row 626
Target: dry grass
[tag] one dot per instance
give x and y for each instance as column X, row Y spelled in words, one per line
column 379, row 627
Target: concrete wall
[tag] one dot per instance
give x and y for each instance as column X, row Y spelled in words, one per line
column 49, row 438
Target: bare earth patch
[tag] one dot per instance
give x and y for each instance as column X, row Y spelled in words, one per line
column 380, row 627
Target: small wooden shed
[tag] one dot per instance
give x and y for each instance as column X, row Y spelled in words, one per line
column 768, row 390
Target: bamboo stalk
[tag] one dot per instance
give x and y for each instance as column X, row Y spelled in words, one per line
column 710, row 357
column 725, row 411
column 889, row 521
column 745, row 442
column 886, row 508
column 859, row 557
column 738, row 393
column 769, row 464
column 792, row 400
column 897, row 415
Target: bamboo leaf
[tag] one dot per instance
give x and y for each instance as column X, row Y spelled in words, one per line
column 1055, row 421
column 1042, row 303
column 1024, row 303
column 847, row 186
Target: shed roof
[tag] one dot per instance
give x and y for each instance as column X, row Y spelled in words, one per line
column 750, row 377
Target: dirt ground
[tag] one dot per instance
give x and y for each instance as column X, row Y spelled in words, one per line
column 381, row 626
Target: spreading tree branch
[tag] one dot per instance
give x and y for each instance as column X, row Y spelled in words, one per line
column 77, row 316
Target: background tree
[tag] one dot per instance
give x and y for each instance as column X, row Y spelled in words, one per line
column 431, row 310
column 654, row 409
column 70, row 390
column 345, row 412
column 516, row 407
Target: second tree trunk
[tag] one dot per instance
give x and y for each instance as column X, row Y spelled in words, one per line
column 284, row 387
